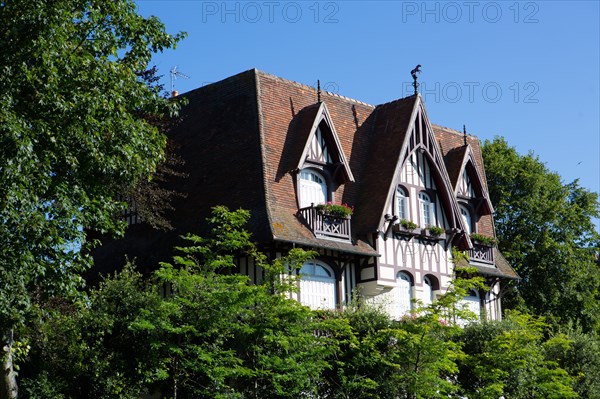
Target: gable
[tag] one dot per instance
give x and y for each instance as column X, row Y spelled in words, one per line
column 470, row 184
column 421, row 153
column 318, row 150
column 323, row 146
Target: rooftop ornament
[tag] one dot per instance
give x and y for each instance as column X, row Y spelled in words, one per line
column 413, row 73
column 318, row 91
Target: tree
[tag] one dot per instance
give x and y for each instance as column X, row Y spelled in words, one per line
column 211, row 334
column 412, row 358
column 546, row 231
column 511, row 359
column 579, row 354
column 73, row 132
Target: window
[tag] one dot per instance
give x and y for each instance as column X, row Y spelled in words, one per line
column 313, row 188
column 401, row 204
column 427, row 291
column 473, row 303
column 426, row 207
column 466, row 215
column 404, row 294
column 317, row 285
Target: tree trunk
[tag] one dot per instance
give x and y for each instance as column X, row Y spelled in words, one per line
column 8, row 382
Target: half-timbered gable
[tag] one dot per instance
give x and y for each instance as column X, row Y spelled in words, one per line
column 280, row 149
column 419, row 194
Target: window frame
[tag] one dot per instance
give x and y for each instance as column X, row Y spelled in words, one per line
column 426, row 210
column 468, row 219
column 325, row 186
column 403, row 212
column 316, row 277
column 404, row 276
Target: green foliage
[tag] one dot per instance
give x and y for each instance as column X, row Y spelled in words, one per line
column 546, row 231
column 435, row 230
column 73, row 131
column 243, row 339
column 579, row 354
column 483, row 239
column 511, row 359
column 89, row 349
column 341, row 211
column 407, row 224
column 197, row 329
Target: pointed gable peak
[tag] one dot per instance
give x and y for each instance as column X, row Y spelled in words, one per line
column 323, row 144
column 420, row 138
column 470, row 181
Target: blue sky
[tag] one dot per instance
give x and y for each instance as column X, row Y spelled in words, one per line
column 528, row 71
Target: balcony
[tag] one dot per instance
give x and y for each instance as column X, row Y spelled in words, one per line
column 326, row 226
column 482, row 253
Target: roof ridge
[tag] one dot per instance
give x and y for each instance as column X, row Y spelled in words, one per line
column 397, row 100
column 305, row 86
column 453, row 131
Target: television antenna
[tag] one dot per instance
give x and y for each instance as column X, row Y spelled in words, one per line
column 174, row 75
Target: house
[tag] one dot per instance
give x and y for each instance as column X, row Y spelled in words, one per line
column 280, row 149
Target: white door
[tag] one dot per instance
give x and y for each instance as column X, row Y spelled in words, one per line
column 317, row 286
column 313, row 189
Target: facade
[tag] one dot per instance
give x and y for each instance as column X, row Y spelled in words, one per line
column 280, row 149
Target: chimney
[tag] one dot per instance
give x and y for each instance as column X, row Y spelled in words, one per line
column 174, row 93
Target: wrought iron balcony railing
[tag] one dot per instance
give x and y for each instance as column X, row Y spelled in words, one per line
column 482, row 253
column 326, row 226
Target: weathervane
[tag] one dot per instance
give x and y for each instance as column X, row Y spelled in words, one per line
column 413, row 73
column 174, row 75
column 465, row 134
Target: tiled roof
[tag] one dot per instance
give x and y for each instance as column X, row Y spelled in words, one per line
column 451, row 140
column 287, row 111
column 454, row 160
column 503, row 265
column 391, row 123
column 500, row 268
column 242, row 139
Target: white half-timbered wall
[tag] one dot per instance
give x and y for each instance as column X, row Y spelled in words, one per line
column 465, row 188
column 416, row 257
column 318, row 148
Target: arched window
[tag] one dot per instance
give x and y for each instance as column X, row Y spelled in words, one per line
column 427, row 291
column 466, row 215
column 313, row 188
column 404, row 293
column 401, row 204
column 317, row 285
column 427, row 211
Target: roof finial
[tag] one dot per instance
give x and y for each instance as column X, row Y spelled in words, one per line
column 319, row 91
column 465, row 134
column 413, row 73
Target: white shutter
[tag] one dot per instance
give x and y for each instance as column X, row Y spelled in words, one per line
column 313, row 189
column 404, row 295
column 317, row 286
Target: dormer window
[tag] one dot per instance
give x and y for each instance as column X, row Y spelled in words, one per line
column 313, row 188
column 401, row 204
column 427, row 210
